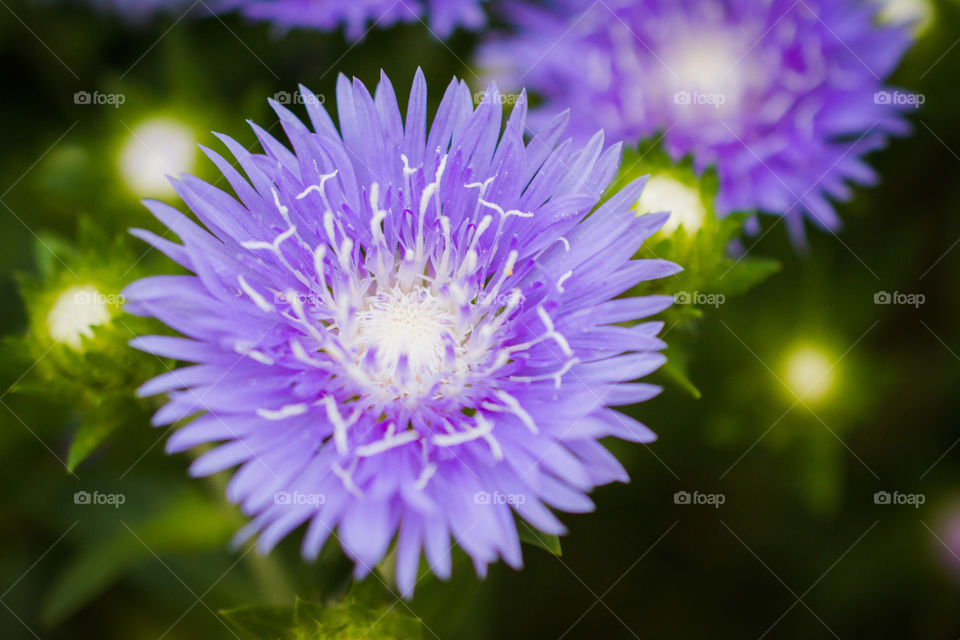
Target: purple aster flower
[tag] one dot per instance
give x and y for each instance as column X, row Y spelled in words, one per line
column 359, row 15
column 785, row 97
column 403, row 330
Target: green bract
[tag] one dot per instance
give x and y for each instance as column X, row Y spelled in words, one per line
column 713, row 269
column 348, row 620
column 75, row 348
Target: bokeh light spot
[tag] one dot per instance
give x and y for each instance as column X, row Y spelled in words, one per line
column 153, row 150
column 809, row 374
column 918, row 13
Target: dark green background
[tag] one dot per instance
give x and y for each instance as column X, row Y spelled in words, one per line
column 799, row 519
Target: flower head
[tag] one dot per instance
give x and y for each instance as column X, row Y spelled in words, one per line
column 407, row 330
column 783, row 97
column 357, row 16
column 76, row 343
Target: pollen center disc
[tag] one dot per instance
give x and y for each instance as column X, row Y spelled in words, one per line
column 413, row 335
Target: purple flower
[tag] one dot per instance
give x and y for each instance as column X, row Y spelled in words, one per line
column 785, row 96
column 359, row 15
column 403, row 330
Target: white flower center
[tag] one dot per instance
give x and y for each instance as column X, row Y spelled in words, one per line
column 683, row 202
column 75, row 312
column 413, row 333
column 708, row 76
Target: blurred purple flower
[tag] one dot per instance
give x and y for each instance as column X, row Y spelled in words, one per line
column 357, row 16
column 947, row 542
column 785, row 97
column 443, row 16
column 403, row 330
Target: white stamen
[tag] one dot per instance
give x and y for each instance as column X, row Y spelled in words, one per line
column 504, row 214
column 328, row 225
column 258, row 299
column 274, row 247
column 346, row 477
column 301, row 354
column 483, row 226
column 556, row 377
column 345, row 248
column 319, row 254
column 506, row 273
column 318, row 187
column 285, row 411
column 482, row 185
column 552, row 333
column 447, row 247
column 431, row 190
column 379, row 215
column 425, row 476
column 428, row 192
column 440, row 168
column 513, row 405
column 270, row 246
column 406, row 165
column 387, row 443
column 340, row 425
column 284, row 211
column 482, row 430
column 563, row 279
column 246, row 349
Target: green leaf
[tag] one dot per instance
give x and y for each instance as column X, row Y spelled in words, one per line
column 262, row 621
column 345, row 620
column 88, row 575
column 546, row 541
column 88, row 438
column 305, row 611
column 747, row 273
column 188, row 523
column 348, row 621
column 676, row 371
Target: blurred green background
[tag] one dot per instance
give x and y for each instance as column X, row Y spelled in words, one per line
column 799, row 547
